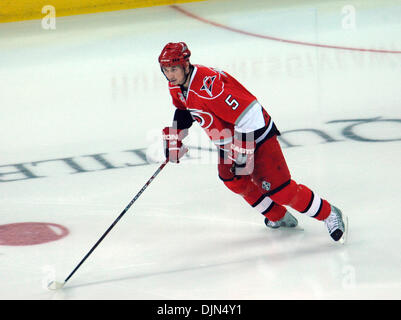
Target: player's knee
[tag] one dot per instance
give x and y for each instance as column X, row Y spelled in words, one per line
column 297, row 196
column 245, row 188
column 236, row 185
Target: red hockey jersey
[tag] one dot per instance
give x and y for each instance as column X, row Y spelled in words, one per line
column 217, row 102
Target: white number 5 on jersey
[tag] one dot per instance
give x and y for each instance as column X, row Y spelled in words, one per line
column 232, row 103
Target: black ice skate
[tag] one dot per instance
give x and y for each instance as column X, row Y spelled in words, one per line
column 337, row 224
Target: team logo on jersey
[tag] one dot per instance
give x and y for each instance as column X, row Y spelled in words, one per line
column 208, row 85
column 205, row 119
column 266, row 185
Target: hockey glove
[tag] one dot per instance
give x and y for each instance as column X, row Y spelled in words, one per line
column 174, row 150
column 242, row 154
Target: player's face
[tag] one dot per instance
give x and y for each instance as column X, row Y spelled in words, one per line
column 175, row 74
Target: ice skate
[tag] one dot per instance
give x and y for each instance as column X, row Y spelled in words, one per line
column 288, row 221
column 337, row 225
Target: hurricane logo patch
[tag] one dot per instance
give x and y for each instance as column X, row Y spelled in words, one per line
column 208, row 85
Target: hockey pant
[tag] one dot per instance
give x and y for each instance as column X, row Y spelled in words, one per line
column 269, row 187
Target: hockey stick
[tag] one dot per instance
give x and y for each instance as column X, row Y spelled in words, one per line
column 55, row 285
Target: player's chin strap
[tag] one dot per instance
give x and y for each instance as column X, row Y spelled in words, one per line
column 191, row 68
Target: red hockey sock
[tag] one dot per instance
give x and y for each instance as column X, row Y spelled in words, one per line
column 324, row 211
column 254, row 196
column 276, row 212
column 269, row 208
column 302, row 199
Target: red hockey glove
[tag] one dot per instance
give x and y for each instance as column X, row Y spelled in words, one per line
column 174, row 150
column 242, row 155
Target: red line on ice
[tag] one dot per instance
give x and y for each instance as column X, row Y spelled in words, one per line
column 251, row 34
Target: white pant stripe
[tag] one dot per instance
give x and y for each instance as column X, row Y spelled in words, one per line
column 314, row 207
column 264, row 204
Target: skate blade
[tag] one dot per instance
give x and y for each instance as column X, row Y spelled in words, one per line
column 55, row 285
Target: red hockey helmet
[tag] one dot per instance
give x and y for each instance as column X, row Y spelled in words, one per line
column 174, row 54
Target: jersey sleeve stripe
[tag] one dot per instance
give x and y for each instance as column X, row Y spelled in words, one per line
column 265, row 133
column 245, row 111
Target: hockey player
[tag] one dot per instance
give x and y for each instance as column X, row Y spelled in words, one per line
column 251, row 161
